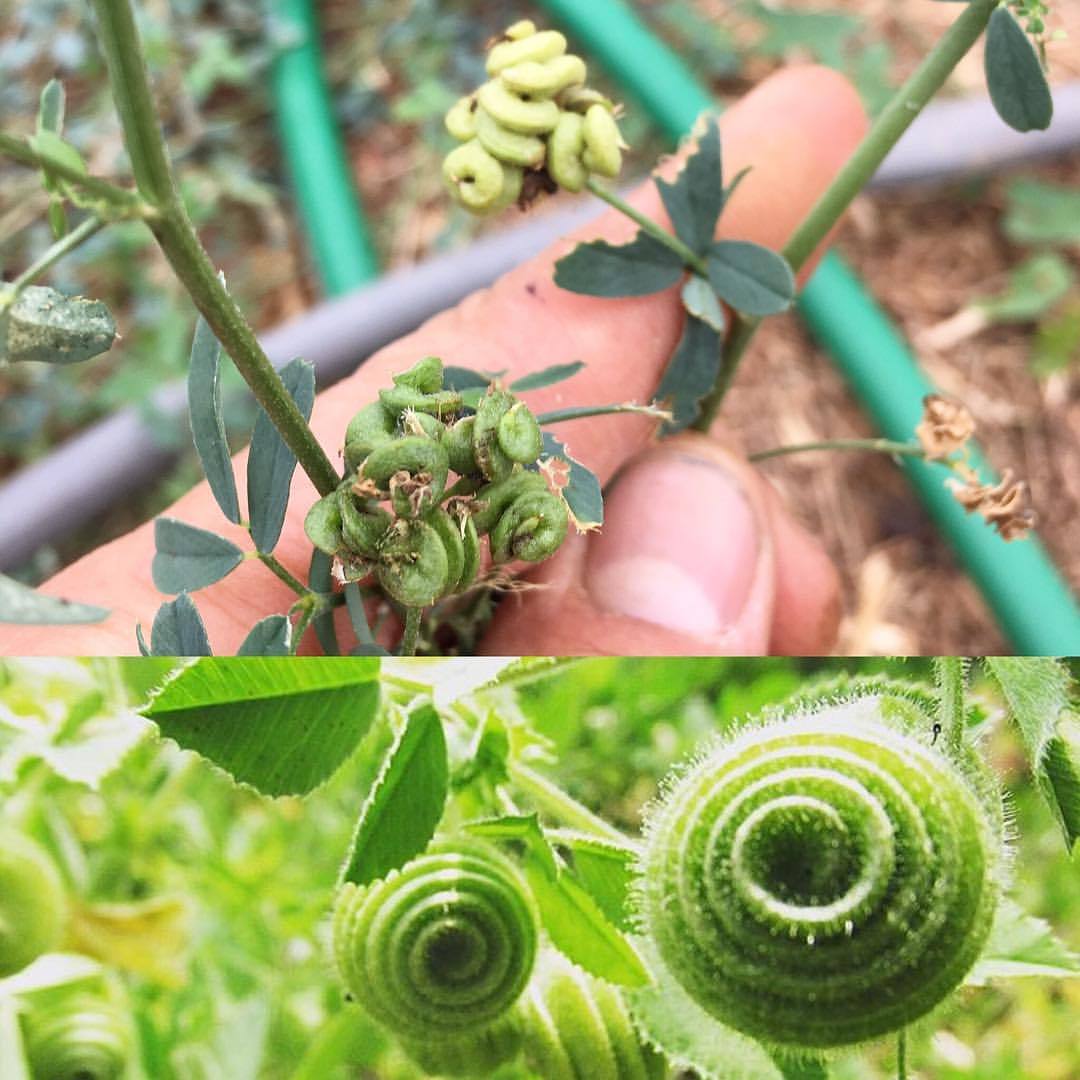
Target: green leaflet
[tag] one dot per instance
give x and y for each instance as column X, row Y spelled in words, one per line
column 405, row 803
column 268, row 637
column 44, row 326
column 1022, row 945
column 208, row 421
column 279, row 726
column 1042, row 213
column 548, row 376
column 751, row 278
column 21, row 604
column 605, row 869
column 639, row 268
column 271, row 463
column 582, row 491
column 178, row 630
column 695, row 199
column 1034, row 287
column 691, row 372
column 188, row 558
column 700, row 301
column 1038, row 693
column 1015, row 76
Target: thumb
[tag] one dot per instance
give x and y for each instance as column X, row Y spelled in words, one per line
column 687, row 564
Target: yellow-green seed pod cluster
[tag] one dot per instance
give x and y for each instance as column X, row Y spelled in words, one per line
column 32, row 903
column 533, row 126
column 427, row 479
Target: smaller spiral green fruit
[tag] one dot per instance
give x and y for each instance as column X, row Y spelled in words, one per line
column 579, row 1028
column 565, row 148
column 461, row 119
column 515, row 111
column 493, row 460
column 454, row 545
column 475, row 1053
column 603, row 143
column 548, row 79
column 364, row 524
column 413, row 567
column 371, row 427
column 536, row 47
column 78, row 1038
column 423, row 459
column 441, row 949
column 508, row 146
column 532, row 528
column 474, row 176
column 519, row 435
column 459, row 442
column 33, row 909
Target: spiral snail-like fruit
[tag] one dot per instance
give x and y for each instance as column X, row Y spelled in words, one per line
column 440, row 950
column 825, row 878
column 533, row 126
column 523, row 518
column 78, row 1038
column 32, row 902
column 579, row 1028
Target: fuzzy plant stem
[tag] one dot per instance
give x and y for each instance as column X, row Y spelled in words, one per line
column 283, row 574
column 79, row 235
column 877, row 446
column 176, row 236
column 906, row 104
column 551, row 799
column 950, row 676
column 411, row 634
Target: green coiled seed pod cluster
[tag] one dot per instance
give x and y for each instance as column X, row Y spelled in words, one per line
column 828, row 877
column 533, row 126
column 398, row 517
column 78, row 1037
column 33, row 907
column 440, row 952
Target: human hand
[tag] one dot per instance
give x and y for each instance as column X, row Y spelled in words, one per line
column 697, row 555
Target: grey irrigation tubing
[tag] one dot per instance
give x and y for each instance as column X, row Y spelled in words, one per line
column 119, row 455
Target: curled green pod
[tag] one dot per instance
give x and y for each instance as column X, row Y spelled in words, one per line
column 519, row 435
column 523, row 28
column 403, row 398
column 513, row 184
column 565, row 148
column 532, row 528
column 461, row 119
column 538, row 46
column 364, row 524
column 579, row 1028
column 372, row 426
column 474, row 177
column 413, row 568
column 826, row 878
column 33, row 909
column 490, row 456
column 322, row 524
column 494, row 499
column 441, row 948
column 422, row 458
column 515, row 112
column 474, row 1053
column 78, row 1038
column 580, row 99
column 425, row 375
column 419, row 423
column 454, row 544
column 603, row 143
column 470, row 540
column 508, row 146
column 545, row 79
column 458, row 443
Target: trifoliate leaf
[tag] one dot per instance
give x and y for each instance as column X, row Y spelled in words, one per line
column 271, row 463
column 178, row 630
column 1015, row 76
column 405, row 803
column 281, row 726
column 45, row 326
column 21, row 604
column 691, row 372
column 751, row 278
column 188, row 558
column 208, row 419
column 695, row 199
column 639, row 268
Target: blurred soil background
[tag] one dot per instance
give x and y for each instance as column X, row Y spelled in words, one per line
column 1010, row 245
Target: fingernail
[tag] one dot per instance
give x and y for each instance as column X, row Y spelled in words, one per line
column 679, row 547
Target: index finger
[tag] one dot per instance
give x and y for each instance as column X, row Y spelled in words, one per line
column 794, row 131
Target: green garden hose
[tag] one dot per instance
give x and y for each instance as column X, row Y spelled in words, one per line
column 342, row 248
column 1033, row 604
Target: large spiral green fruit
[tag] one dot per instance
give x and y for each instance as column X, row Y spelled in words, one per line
column 80, row 1038
column 440, row 950
column 32, row 904
column 579, row 1028
column 826, row 878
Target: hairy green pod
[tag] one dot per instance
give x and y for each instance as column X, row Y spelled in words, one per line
column 441, row 949
column 413, row 566
column 364, row 524
column 400, row 399
column 490, row 456
column 426, row 375
column 459, row 443
column 420, row 423
column 516, row 112
column 537, row 47
column 372, row 426
column 475, row 1053
column 532, row 528
column 506, row 145
column 470, row 540
column 33, row 909
column 580, row 99
column 825, row 878
column 519, row 435
column 603, row 143
column 579, row 1028
column 461, row 119
column 545, row 79
column 494, row 500
column 78, row 1038
column 474, row 176
column 453, row 542
column 423, row 459
column 565, row 147
column 322, row 524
